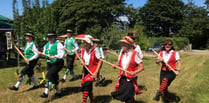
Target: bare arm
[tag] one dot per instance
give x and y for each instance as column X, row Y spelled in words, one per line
column 97, row 69
column 178, row 65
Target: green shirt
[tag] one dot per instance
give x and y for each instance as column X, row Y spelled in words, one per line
column 69, row 45
column 51, row 51
column 28, row 52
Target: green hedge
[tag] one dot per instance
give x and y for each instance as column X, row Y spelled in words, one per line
column 179, row 42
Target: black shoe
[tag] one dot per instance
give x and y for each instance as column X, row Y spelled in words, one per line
column 157, row 96
column 13, row 88
column 63, row 80
column 166, row 100
column 97, row 83
column 100, row 83
column 103, row 82
column 34, row 87
column 44, row 95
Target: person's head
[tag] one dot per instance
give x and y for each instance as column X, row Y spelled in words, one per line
column 87, row 42
column 29, row 37
column 168, row 45
column 132, row 36
column 96, row 42
column 69, row 33
column 126, row 43
column 51, row 36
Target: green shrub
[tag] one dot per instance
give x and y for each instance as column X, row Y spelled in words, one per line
column 179, row 42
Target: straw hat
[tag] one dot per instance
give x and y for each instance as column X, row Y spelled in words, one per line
column 127, row 40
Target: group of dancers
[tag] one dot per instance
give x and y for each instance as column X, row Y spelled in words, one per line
column 130, row 62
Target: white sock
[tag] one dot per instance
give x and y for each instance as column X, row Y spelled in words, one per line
column 65, row 76
column 19, row 81
column 17, row 84
column 57, row 89
column 46, row 90
column 33, row 79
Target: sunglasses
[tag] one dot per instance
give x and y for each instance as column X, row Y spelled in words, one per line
column 167, row 44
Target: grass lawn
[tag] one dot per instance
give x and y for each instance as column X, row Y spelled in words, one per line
column 190, row 86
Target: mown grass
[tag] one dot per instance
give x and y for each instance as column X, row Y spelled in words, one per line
column 191, row 86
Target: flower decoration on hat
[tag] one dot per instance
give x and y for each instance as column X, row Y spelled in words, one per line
column 127, row 40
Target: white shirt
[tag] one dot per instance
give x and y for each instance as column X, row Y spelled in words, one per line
column 60, row 50
column 166, row 56
column 102, row 53
column 138, row 50
column 75, row 44
column 35, row 56
column 127, row 58
column 87, row 55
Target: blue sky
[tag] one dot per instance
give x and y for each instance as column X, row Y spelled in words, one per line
column 6, row 5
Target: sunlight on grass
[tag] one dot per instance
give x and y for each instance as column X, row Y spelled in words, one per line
column 190, row 86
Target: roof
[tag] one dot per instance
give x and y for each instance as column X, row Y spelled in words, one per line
column 5, row 22
column 3, row 18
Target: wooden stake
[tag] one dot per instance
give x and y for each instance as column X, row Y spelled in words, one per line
column 41, row 53
column 112, row 52
column 116, row 66
column 20, row 53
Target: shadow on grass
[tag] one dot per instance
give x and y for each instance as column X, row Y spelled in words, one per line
column 29, row 89
column 106, row 83
column 102, row 99
column 65, row 92
column 173, row 98
column 70, row 90
column 142, row 87
column 140, row 102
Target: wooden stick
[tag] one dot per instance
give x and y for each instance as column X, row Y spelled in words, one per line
column 41, row 53
column 116, row 66
column 118, row 55
column 112, row 52
column 20, row 53
column 76, row 53
column 176, row 72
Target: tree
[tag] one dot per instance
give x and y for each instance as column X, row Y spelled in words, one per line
column 162, row 17
column 82, row 14
column 195, row 25
column 111, row 36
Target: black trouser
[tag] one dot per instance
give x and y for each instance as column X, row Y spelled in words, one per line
column 53, row 70
column 126, row 90
column 167, row 74
column 29, row 68
column 70, row 60
column 88, row 85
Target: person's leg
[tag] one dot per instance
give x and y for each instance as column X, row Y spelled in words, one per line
column 67, row 68
column 48, row 83
column 87, row 91
column 21, row 78
column 59, row 65
column 46, row 90
column 71, row 66
column 36, row 85
column 163, row 85
column 85, row 96
column 31, row 73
